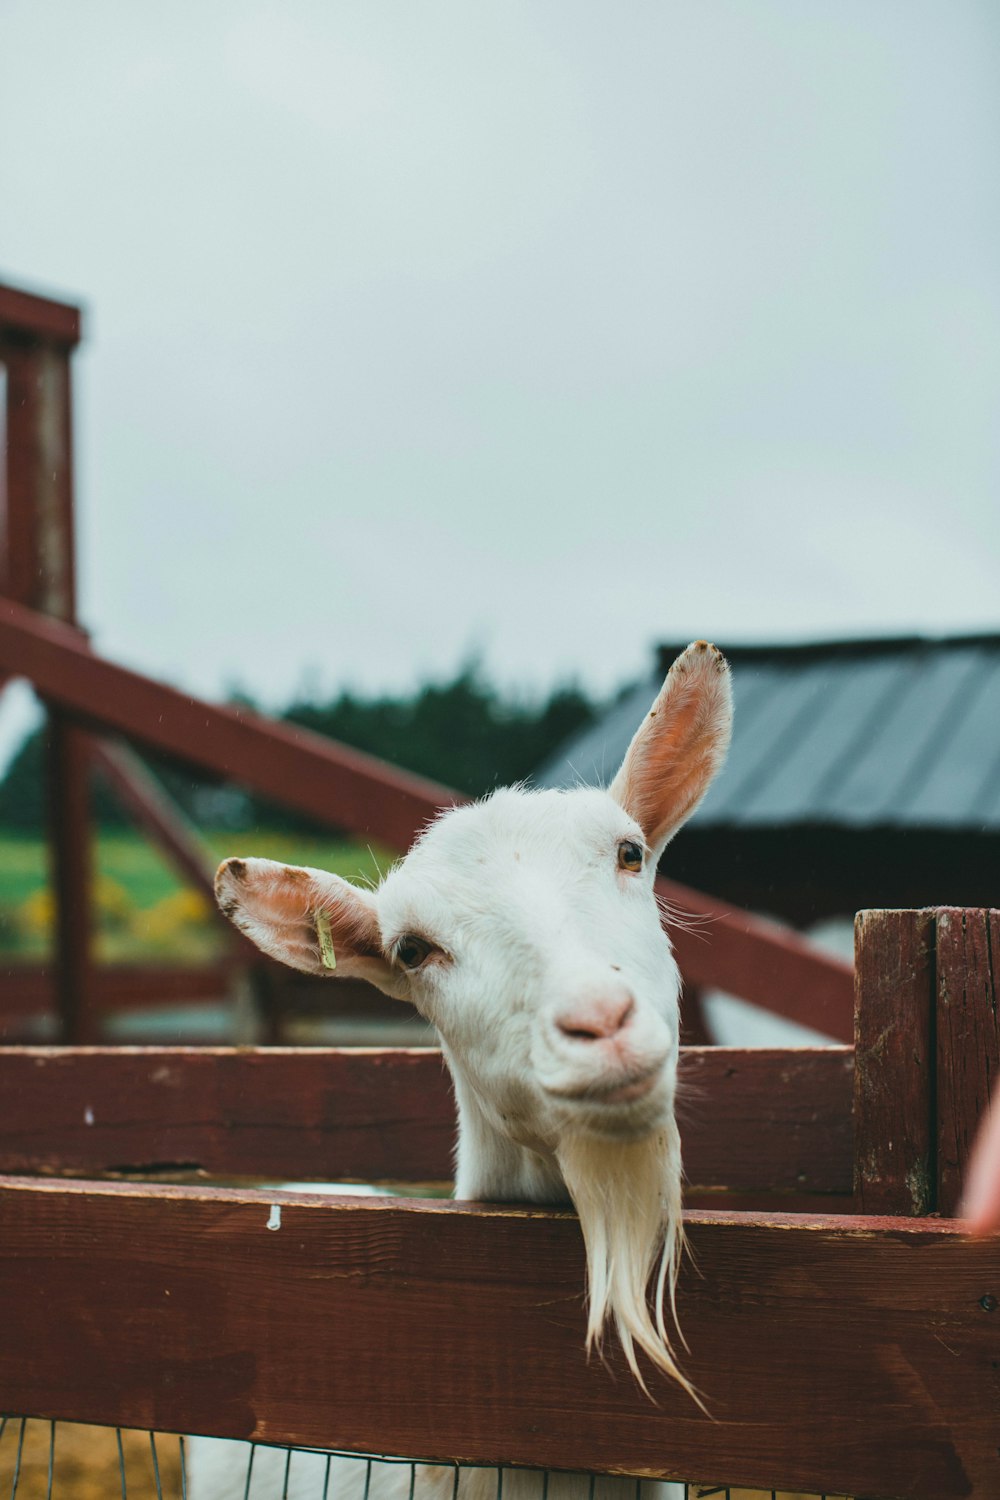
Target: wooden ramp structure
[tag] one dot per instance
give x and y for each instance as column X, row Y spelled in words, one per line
column 843, row 1330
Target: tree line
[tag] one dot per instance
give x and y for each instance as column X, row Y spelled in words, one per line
column 464, row 732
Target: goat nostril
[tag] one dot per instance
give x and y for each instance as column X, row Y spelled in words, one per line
column 578, row 1032
column 596, row 1022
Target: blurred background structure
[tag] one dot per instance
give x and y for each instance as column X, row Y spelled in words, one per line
column 864, row 773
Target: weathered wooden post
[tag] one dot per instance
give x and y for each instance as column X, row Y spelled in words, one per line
column 894, row 1062
column 37, row 337
column 927, row 1040
column 967, row 1038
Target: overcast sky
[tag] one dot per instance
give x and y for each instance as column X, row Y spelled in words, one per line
column 544, row 330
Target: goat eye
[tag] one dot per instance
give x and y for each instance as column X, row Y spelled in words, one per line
column 629, row 855
column 412, row 951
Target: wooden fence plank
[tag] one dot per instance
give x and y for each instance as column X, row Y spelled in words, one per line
column 767, row 1119
column 968, row 1038
column 282, row 1112
column 26, row 989
column 894, row 1062
column 853, row 1356
column 770, row 1121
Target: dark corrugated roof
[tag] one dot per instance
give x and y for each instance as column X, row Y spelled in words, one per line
column 894, row 733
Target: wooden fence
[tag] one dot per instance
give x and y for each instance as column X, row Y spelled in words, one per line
column 854, row 1351
column 842, row 1328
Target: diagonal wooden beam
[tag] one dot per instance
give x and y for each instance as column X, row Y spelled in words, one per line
column 155, row 813
column 339, row 787
column 759, row 961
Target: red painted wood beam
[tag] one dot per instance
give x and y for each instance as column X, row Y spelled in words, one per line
column 759, row 1120
column 41, row 318
column 340, row 787
column 852, row 1356
column 759, row 961
column 26, row 989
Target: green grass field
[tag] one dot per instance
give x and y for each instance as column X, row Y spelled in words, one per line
column 144, row 910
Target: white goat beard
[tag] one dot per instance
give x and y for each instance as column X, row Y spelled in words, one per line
column 628, row 1197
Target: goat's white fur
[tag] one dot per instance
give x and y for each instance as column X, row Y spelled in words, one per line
column 540, row 944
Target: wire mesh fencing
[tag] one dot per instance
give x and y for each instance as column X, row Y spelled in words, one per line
column 45, row 1460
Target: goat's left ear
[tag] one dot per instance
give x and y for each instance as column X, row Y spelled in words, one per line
column 679, row 745
column 308, row 919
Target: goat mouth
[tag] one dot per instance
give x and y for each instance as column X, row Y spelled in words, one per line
column 637, row 1089
column 623, row 1092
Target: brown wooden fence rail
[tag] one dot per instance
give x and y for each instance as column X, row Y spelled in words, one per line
column 836, row 1352
column 847, row 1354
column 759, row 1121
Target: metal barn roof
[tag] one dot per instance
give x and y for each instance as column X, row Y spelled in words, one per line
column 898, row 733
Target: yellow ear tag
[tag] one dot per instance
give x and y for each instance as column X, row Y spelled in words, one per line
column 326, row 952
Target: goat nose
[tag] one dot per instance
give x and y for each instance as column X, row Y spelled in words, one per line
column 596, row 1019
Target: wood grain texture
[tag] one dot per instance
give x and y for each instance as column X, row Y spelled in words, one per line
column 767, row 1119
column 847, row 1355
column 282, row 1112
column 770, row 1121
column 37, row 558
column 968, row 1038
column 894, row 1062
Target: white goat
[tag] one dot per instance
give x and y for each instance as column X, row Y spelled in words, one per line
column 526, row 928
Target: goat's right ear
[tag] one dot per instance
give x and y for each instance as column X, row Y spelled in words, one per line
column 305, row 918
column 679, row 746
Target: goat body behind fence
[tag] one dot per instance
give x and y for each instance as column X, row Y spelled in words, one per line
column 526, row 928
column 242, row 1471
